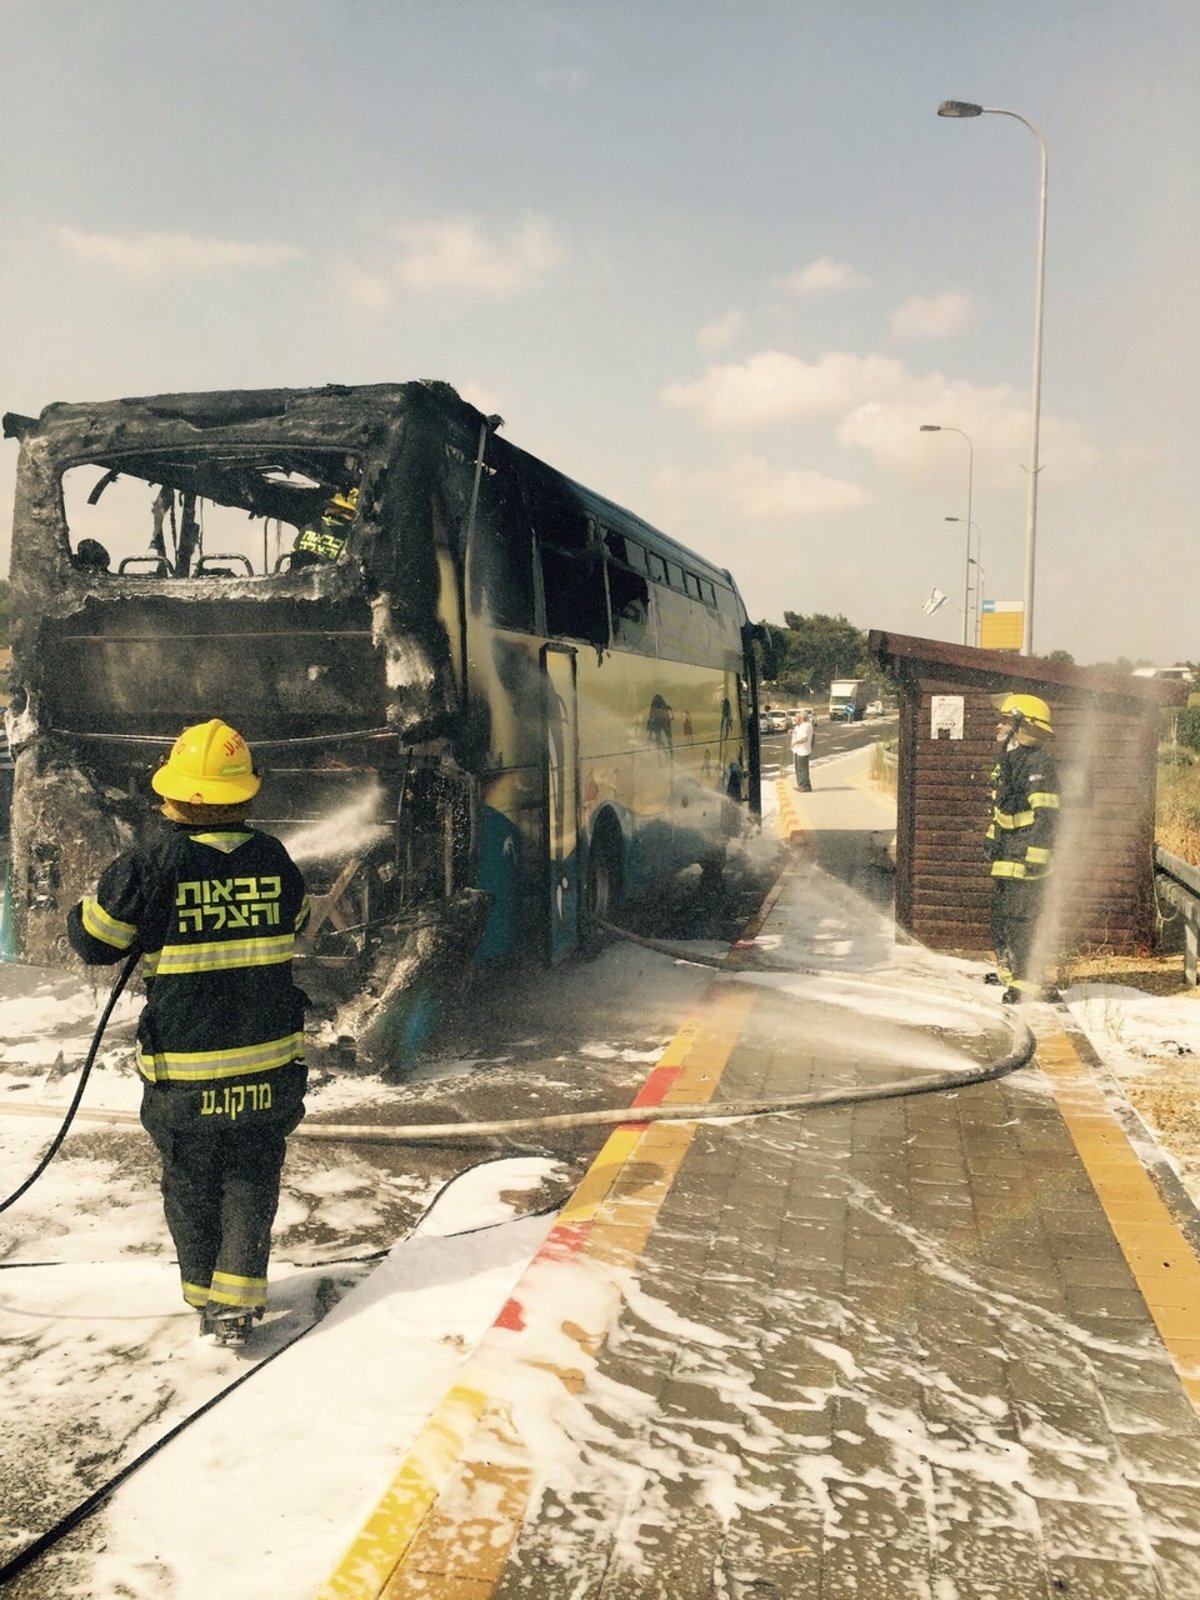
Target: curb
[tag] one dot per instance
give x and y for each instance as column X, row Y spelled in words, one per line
column 788, row 822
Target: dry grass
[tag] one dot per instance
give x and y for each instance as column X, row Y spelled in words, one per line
column 1177, row 815
column 1160, row 974
column 1176, row 828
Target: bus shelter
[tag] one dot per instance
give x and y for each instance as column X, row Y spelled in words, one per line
column 1106, row 733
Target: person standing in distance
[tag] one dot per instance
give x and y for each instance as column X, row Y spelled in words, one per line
column 213, row 906
column 1020, row 841
column 803, row 734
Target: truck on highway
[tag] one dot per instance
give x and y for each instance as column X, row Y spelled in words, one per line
column 848, row 699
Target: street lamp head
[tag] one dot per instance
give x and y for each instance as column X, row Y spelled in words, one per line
column 959, row 108
column 931, row 427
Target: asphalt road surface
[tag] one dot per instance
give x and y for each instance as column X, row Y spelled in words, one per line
column 832, row 739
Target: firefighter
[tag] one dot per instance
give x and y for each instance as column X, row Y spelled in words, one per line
column 1020, row 841
column 213, row 907
column 324, row 540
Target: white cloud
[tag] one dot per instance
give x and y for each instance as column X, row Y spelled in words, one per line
column 824, row 274
column 772, row 387
column 933, row 316
column 751, row 487
column 878, row 405
column 721, row 330
column 151, row 254
column 760, row 490
column 359, row 286
column 455, row 253
column 995, row 420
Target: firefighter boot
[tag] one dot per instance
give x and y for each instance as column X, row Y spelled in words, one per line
column 226, row 1325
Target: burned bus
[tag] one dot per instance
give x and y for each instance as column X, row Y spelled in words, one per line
column 485, row 701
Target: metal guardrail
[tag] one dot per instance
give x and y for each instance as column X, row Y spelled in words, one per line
column 1178, row 883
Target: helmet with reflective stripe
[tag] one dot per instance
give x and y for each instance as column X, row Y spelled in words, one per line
column 1027, row 708
column 341, row 507
column 209, row 765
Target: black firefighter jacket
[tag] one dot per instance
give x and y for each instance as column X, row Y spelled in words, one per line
column 215, row 912
column 1020, row 835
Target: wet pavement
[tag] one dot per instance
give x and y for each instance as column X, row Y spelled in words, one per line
column 939, row 1346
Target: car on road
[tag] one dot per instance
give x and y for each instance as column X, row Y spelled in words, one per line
column 780, row 721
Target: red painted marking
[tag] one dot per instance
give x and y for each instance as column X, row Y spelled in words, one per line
column 654, row 1089
column 564, row 1239
column 511, row 1316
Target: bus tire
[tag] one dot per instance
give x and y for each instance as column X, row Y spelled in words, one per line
column 602, row 886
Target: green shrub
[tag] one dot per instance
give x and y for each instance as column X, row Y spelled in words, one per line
column 1187, row 726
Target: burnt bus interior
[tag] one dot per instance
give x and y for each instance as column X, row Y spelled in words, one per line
column 301, row 564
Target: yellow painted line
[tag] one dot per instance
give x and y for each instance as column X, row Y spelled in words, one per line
column 1162, row 1262
column 371, row 1559
column 789, row 816
column 444, row 1524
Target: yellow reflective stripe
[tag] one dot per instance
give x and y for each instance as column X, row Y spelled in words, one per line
column 1008, row 869
column 221, row 955
column 1036, row 855
column 227, row 843
column 229, row 1290
column 1044, row 801
column 198, row 1066
column 109, row 930
column 196, row 1294
column 1013, row 819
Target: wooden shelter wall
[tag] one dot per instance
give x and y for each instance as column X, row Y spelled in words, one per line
column 1105, row 750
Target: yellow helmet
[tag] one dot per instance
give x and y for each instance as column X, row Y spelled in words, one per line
column 341, row 507
column 209, row 765
column 1027, row 708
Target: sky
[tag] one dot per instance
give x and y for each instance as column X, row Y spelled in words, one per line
column 718, row 262
column 89, row 1308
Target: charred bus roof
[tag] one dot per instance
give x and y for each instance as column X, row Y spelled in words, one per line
column 254, row 449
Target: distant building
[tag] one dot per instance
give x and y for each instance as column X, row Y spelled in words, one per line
column 1172, row 674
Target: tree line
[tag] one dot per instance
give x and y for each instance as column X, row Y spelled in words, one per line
column 810, row 652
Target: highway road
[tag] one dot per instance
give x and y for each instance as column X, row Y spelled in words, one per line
column 832, row 738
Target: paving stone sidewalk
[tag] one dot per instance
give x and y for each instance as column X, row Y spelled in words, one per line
column 885, row 1350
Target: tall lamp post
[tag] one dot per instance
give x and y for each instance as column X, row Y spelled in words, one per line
column 937, row 427
column 973, row 561
column 966, row 108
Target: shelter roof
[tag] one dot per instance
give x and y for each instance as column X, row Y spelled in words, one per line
column 998, row 671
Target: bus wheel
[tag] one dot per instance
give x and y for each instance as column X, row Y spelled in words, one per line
column 602, row 891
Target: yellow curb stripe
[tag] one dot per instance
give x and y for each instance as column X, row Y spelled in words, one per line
column 447, row 1519
column 788, row 820
column 370, row 1561
column 599, row 1177
column 1162, row 1262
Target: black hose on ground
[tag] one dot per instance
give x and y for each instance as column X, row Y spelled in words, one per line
column 120, row 982
column 92, row 1502
column 706, row 1111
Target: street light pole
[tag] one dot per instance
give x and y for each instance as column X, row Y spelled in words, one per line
column 966, row 108
column 937, row 427
column 974, row 561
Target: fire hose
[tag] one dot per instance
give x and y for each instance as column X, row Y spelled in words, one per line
column 1023, row 1046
